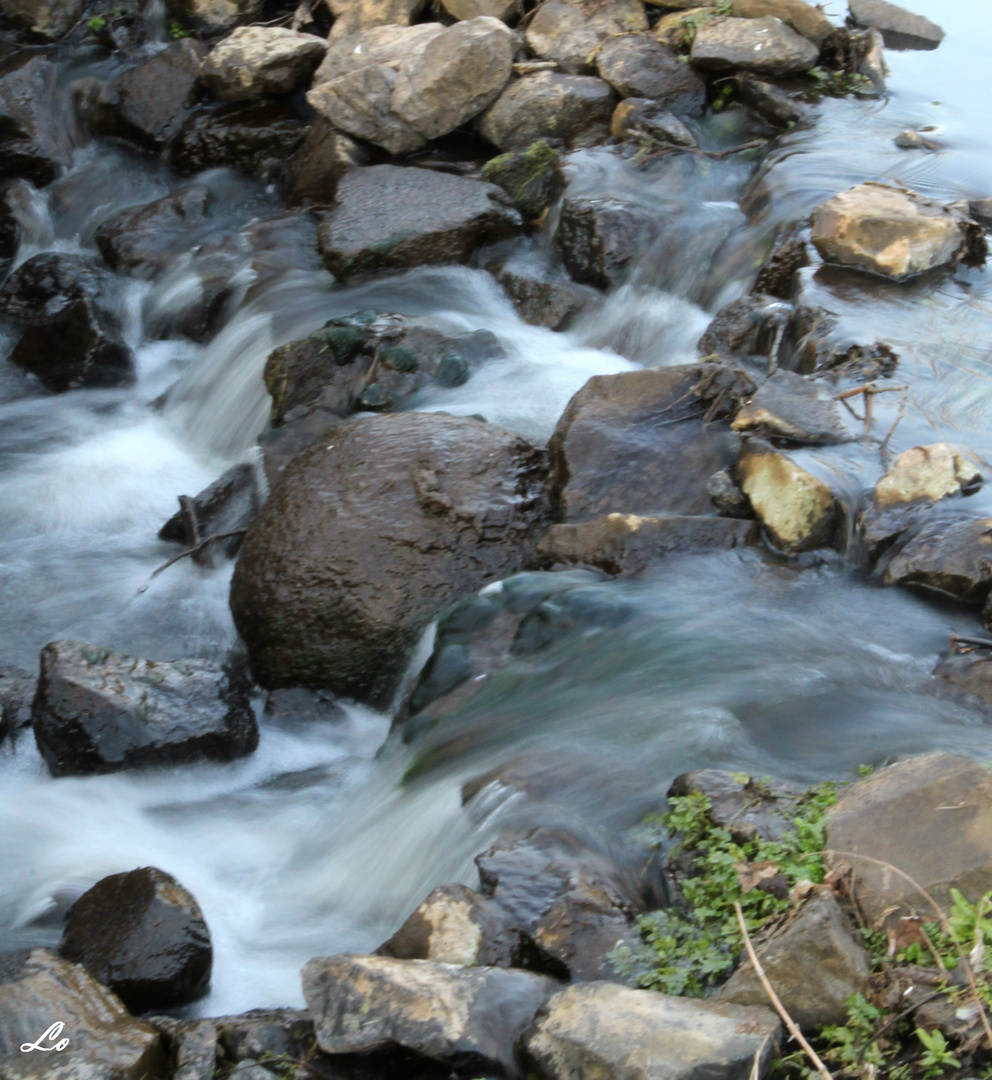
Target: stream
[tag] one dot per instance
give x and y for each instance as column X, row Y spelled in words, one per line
column 320, row 842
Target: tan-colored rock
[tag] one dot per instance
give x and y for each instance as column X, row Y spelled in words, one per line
column 46, row 18
column 390, row 45
column 676, row 28
column 569, row 31
column 610, row 1032
column 926, row 472
column 813, row 961
column 805, row 19
column 358, row 104
column 798, row 510
column 887, row 230
column 507, row 10
column 213, row 16
column 765, row 46
column 352, row 15
column 261, row 61
column 931, row 817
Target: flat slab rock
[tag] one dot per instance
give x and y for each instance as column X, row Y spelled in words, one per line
column 949, row 556
column 611, row 1032
column 765, row 46
column 900, row 28
column 391, row 218
column 789, row 406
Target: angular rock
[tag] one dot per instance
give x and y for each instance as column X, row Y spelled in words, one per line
column 16, row 691
column 626, row 544
column 638, row 66
column 886, row 230
column 351, row 16
column 47, row 18
column 745, row 327
column 377, row 45
column 322, row 591
column 641, row 118
column 726, row 495
column 763, row 46
column 532, row 177
column 154, row 97
column 806, row 19
column 193, row 1048
column 37, row 989
column 950, row 558
column 507, row 10
column 747, row 809
column 771, row 103
column 676, row 29
column 142, row 935
column 970, row 670
column 900, row 28
column 600, row 238
column 569, row 31
column 261, row 61
column 816, row 938
column 98, row 711
column 927, row 472
column 254, row 138
column 540, row 299
column 216, row 16
column 789, row 406
column 776, row 278
column 72, row 337
column 929, row 816
column 613, row 1032
column 455, row 925
column 799, row 511
column 549, row 105
column 981, row 211
column 872, row 63
column 390, row 218
column 34, row 142
column 229, row 503
column 469, row 1016
column 637, row 443
column 313, row 172
column 147, row 239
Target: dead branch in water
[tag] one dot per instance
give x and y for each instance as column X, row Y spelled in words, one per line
column 194, row 551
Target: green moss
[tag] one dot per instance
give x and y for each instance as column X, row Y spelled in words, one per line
column 529, row 177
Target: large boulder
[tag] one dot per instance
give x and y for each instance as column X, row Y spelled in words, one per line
column 950, row 557
column 599, row 239
column 930, row 818
column 146, row 239
column 153, row 97
column 389, row 45
column 46, row 18
column 261, row 61
column 806, row 19
column 549, row 105
column 142, row 935
column 98, row 711
column 391, row 218
column 71, row 336
column 637, row 443
column 614, row 1033
column 413, row 511
column 252, row 137
column 901, row 29
column 215, row 16
column 37, row 990
column 639, row 66
column 763, row 46
column 887, row 230
column 351, row 16
column 35, row 143
column 570, row 31
column 471, row 1017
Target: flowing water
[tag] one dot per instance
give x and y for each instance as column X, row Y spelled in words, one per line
column 321, row 842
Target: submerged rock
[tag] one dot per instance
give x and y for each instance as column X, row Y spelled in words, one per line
column 390, row 218
column 789, row 406
column 886, row 230
column 569, row 31
column 600, row 238
column 638, row 66
column 900, row 28
column 415, row 510
column 35, row 140
column 764, row 46
column 543, row 299
column 98, row 711
column 615, row 1033
column 144, row 936
column 261, row 61
column 253, row 137
column 147, row 238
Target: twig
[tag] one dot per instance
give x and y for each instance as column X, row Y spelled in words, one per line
column 974, row 642
column 717, row 154
column 869, row 389
column 756, row 1063
column 199, row 547
column 774, row 998
column 885, row 441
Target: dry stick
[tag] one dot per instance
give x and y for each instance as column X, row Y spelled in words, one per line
column 774, row 998
column 974, row 642
column 718, row 154
column 199, row 547
column 941, row 918
column 868, row 389
column 885, row 441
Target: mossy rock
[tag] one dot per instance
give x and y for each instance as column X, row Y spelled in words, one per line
column 531, row 177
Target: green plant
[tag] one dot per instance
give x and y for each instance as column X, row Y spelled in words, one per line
column 689, row 24
column 98, row 22
column 177, row 31
column 724, row 7
column 936, row 1057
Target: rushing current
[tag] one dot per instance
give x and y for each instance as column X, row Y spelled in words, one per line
column 321, row 841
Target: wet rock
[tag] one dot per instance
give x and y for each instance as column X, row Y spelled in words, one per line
column 747, row 808
column 569, row 31
column 626, row 544
column 952, row 558
column 35, row 140
column 621, row 1034
column 927, row 472
column 351, row 16
column 154, row 97
column 146, row 240
column 72, row 336
column 549, row 105
column 37, row 986
column 47, row 18
column 322, row 591
column 789, row 406
column 10, row 234
column 16, row 691
column 254, row 138
column 642, row 119
column 887, row 230
column 255, row 62
column 228, row 504
column 455, row 925
column 913, row 140
column 390, row 218
column 806, row 19
column 542, row 300
column 929, row 816
column 215, row 16
column 507, row 10
column 193, row 1047
column 726, row 495
column 532, row 177
column 313, row 172
column 638, row 66
column 600, row 238
column 816, row 938
column 776, row 278
column 390, row 45
column 900, row 28
column 97, row 711
column 142, row 935
column 970, row 670
column 468, row 1016
column 637, row 443
column 872, row 63
column 799, row 511
column 981, row 211
column 745, row 327
column 200, row 1047
column 770, row 102
column 763, row 46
